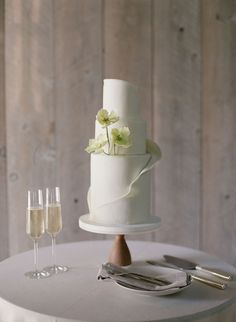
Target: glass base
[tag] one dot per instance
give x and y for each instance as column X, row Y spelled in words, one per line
column 56, row 269
column 36, row 275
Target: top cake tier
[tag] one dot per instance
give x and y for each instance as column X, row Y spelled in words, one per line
column 122, row 98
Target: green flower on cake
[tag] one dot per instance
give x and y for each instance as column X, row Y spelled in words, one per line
column 97, row 145
column 111, row 139
column 121, row 137
column 105, row 118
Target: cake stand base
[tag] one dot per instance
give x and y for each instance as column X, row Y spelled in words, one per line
column 120, row 254
column 86, row 223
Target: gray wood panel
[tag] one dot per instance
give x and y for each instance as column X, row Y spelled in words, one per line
column 176, row 119
column 219, row 130
column 53, row 63
column 3, row 150
column 78, row 97
column 30, row 116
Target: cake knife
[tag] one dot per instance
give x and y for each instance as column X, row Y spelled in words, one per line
column 188, row 265
column 204, row 280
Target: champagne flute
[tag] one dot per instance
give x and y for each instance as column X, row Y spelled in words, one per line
column 35, row 228
column 54, row 225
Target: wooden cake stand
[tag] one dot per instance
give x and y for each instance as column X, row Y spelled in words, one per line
column 120, row 253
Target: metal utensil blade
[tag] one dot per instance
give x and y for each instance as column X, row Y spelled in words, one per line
column 209, row 282
column 162, row 264
column 189, row 265
column 179, row 262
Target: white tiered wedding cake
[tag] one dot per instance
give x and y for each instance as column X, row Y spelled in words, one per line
column 121, row 160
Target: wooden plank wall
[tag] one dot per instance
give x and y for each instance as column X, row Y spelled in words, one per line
column 78, row 96
column 29, row 108
column 181, row 55
column 3, row 154
column 176, row 118
column 219, row 129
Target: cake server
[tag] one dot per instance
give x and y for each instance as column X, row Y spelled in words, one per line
column 188, row 265
column 204, row 280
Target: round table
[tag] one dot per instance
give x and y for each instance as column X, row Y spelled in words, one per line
column 77, row 295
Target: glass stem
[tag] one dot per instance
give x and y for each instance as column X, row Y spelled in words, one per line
column 53, row 251
column 36, row 250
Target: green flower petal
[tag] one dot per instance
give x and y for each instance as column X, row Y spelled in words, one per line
column 106, row 119
column 96, row 145
column 121, row 136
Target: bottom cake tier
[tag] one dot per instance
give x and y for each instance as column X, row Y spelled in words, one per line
column 119, row 193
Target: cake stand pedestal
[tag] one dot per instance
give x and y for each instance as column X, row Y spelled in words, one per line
column 120, row 254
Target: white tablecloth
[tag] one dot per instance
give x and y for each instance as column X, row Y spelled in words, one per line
column 78, row 296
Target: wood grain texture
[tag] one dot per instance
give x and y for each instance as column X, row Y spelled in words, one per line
column 30, row 115
column 78, row 97
column 3, row 150
column 53, row 63
column 176, row 119
column 219, row 130
column 128, row 51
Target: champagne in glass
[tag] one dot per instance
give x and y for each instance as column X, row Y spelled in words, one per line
column 35, row 228
column 53, row 219
column 35, row 223
column 54, row 225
